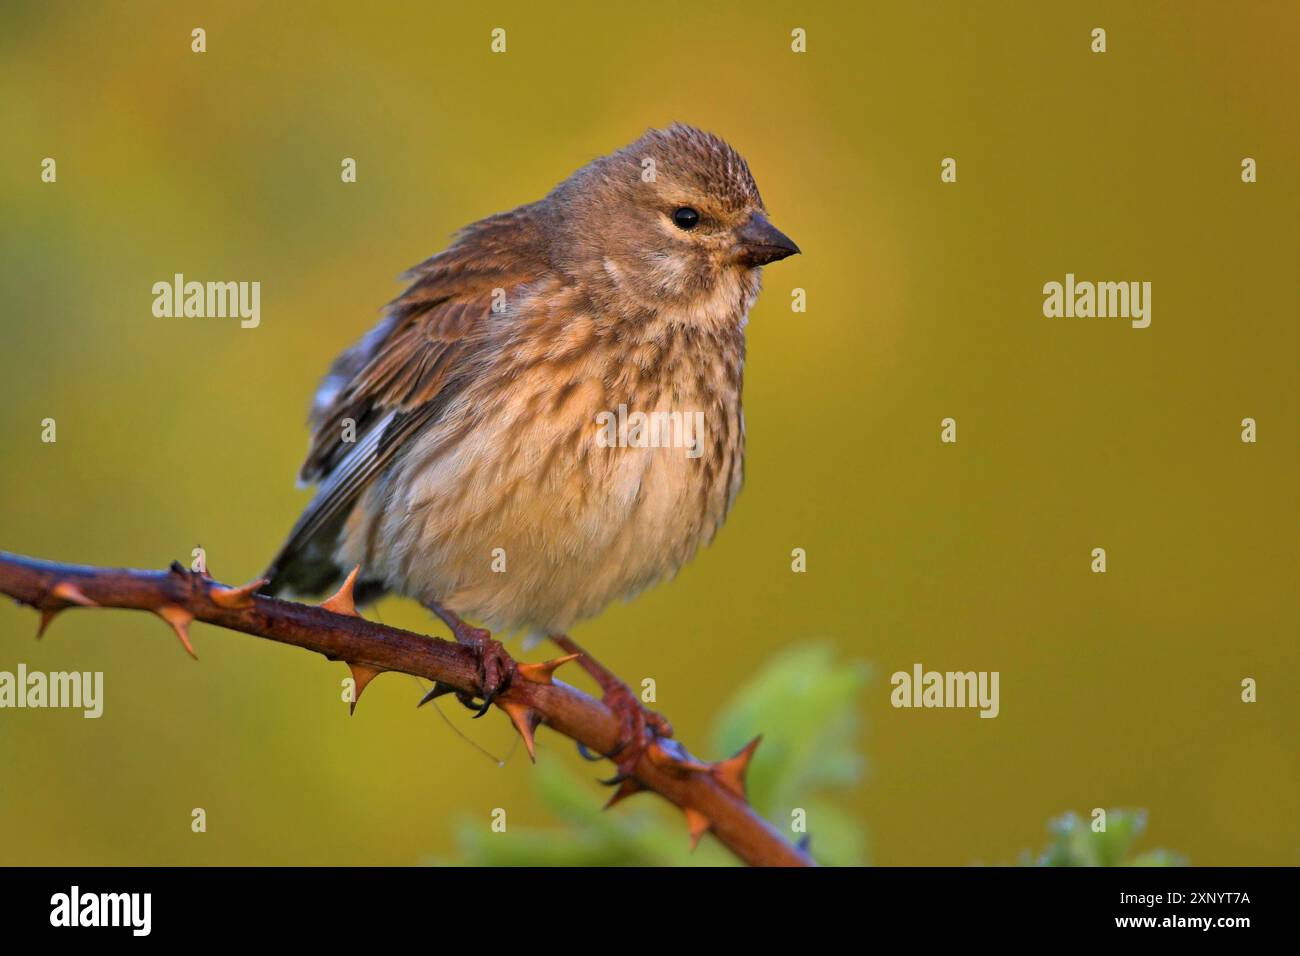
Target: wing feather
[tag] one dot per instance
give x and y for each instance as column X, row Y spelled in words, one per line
column 398, row 379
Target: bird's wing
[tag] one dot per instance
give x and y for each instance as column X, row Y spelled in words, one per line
column 399, row 378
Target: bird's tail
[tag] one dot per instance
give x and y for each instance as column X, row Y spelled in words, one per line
column 306, row 567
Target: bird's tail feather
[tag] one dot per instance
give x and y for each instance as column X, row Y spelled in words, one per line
column 306, row 567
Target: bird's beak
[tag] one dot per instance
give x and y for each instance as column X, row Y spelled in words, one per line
column 758, row 242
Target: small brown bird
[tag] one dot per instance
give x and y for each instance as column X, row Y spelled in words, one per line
column 549, row 417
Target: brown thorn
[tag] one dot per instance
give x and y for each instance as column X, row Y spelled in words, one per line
column 362, row 675
column 342, row 601
column 233, row 598
column 525, row 720
column 71, row 594
column 47, row 615
column 699, row 825
column 179, row 619
column 671, row 755
column 439, row 689
column 626, row 788
column 731, row 772
column 542, row 673
column 62, row 595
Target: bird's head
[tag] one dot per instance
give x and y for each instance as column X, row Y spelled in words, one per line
column 673, row 219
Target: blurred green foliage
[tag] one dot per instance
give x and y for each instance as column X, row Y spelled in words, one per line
column 805, row 704
column 1075, row 843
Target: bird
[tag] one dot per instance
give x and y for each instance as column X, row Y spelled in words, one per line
column 464, row 451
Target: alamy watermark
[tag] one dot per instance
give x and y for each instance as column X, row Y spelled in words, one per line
column 624, row 429
column 75, row 908
column 209, row 300
column 922, row 688
column 76, row 690
column 1101, row 300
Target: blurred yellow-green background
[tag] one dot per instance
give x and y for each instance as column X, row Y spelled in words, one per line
column 924, row 301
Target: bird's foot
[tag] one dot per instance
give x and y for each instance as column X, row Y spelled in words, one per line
column 495, row 665
column 641, row 727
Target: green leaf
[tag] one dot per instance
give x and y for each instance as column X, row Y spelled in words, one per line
column 1075, row 843
column 804, row 703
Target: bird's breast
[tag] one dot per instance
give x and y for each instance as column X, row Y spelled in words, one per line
column 580, row 471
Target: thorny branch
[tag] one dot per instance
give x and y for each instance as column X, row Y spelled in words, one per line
column 712, row 796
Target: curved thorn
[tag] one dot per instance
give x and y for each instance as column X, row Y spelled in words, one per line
column 179, row 619
column 731, row 772
column 439, row 689
column 670, row 754
column 234, row 598
column 362, row 675
column 71, row 594
column 613, row 781
column 627, row 788
column 47, row 615
column 543, row 673
column 63, row 594
column 525, row 720
column 342, row 602
column 698, row 824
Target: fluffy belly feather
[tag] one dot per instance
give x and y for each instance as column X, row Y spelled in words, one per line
column 519, row 518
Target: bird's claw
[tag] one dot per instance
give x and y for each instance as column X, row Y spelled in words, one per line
column 495, row 666
column 586, row 753
column 495, row 669
column 641, row 727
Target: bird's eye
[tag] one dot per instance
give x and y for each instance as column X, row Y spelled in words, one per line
column 686, row 218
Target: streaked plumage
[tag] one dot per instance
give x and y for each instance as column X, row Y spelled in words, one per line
column 477, row 430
